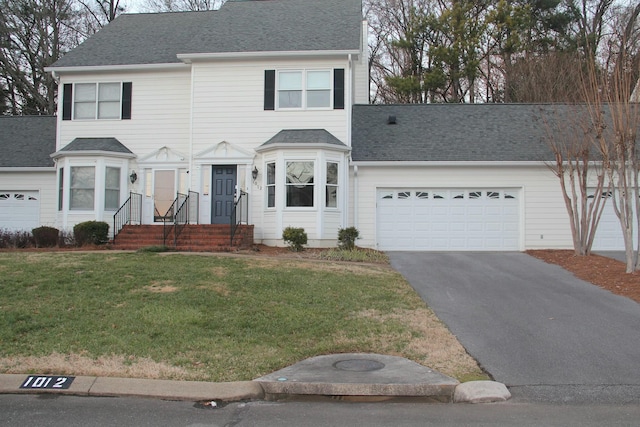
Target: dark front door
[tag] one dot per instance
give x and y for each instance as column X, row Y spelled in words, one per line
column 224, row 190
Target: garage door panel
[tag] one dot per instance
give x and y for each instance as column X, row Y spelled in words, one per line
column 19, row 210
column 440, row 219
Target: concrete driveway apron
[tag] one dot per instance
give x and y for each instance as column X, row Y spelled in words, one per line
column 528, row 322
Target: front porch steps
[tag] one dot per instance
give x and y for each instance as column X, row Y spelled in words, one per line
column 193, row 238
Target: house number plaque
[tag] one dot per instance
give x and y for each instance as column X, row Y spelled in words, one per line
column 54, row 382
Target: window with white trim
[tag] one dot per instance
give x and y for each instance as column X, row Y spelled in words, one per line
column 271, row 185
column 82, row 188
column 300, row 184
column 304, row 89
column 332, row 185
column 112, row 188
column 96, row 100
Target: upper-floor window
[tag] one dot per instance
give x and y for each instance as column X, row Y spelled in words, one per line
column 91, row 101
column 304, row 89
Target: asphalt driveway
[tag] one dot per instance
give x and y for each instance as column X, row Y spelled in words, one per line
column 529, row 323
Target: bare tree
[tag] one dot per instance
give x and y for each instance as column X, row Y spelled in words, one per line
column 572, row 137
column 609, row 87
column 182, row 5
column 35, row 34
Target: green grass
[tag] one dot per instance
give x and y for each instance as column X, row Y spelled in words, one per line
column 217, row 318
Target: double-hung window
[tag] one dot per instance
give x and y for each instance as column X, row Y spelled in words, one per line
column 300, row 184
column 332, row 185
column 112, row 188
column 101, row 100
column 82, row 188
column 91, row 101
column 304, row 89
column 271, row 185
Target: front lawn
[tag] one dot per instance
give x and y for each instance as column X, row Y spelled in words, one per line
column 212, row 318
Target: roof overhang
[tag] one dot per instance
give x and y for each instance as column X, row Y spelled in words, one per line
column 188, row 58
column 115, row 68
column 404, row 163
column 28, row 169
column 92, row 153
column 302, row 146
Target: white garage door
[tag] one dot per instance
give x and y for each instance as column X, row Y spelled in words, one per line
column 450, row 220
column 19, row 210
column 609, row 233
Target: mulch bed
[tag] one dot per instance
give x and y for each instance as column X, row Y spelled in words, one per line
column 605, row 272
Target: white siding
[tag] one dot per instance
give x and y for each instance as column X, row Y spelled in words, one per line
column 44, row 182
column 544, row 218
column 229, row 105
column 159, row 112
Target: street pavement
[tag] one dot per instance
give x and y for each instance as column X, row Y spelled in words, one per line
column 532, row 326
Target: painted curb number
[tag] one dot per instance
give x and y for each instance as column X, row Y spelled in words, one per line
column 48, row 382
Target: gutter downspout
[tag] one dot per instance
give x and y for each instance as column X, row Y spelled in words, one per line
column 191, row 102
column 345, row 219
column 355, row 196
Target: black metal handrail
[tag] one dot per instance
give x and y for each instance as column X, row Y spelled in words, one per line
column 185, row 213
column 184, row 210
column 241, row 204
column 169, row 218
column 128, row 213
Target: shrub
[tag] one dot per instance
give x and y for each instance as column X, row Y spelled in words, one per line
column 15, row 239
column 91, row 233
column 45, row 237
column 295, row 238
column 347, row 238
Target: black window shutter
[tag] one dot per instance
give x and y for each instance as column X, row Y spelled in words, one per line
column 126, row 100
column 338, row 89
column 269, row 89
column 67, row 101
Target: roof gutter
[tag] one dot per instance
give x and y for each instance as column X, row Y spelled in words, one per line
column 467, row 163
column 295, row 146
column 92, row 153
column 190, row 57
column 112, row 68
column 28, row 169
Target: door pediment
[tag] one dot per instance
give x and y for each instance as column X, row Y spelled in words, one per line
column 163, row 156
column 225, row 153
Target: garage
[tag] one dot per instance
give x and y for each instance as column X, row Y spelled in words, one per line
column 609, row 233
column 448, row 219
column 19, row 210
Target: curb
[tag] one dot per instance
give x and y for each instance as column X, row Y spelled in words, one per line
column 470, row 392
column 127, row 387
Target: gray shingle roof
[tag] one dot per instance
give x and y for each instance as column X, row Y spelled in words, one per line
column 239, row 26
column 454, row 132
column 27, row 141
column 303, row 136
column 96, row 144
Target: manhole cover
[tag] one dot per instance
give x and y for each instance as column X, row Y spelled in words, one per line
column 358, row 365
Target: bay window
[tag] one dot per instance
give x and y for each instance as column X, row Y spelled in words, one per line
column 82, row 188
column 332, row 185
column 112, row 188
column 300, row 184
column 271, row 185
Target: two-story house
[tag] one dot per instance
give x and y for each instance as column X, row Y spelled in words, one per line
column 263, row 104
column 252, row 99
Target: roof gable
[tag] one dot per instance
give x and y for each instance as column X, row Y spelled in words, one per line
column 27, row 141
column 239, row 26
